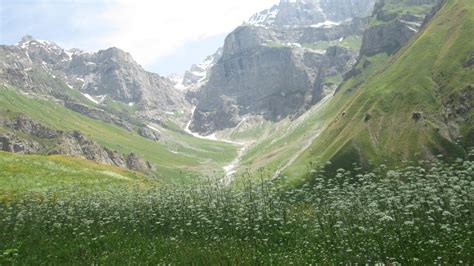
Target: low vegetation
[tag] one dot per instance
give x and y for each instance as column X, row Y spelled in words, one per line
column 412, row 215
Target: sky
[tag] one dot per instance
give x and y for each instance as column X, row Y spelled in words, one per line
column 164, row 36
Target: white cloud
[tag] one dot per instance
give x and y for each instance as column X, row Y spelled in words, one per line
column 152, row 29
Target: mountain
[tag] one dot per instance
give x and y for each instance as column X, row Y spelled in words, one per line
column 99, row 106
column 296, row 84
column 414, row 105
column 287, row 148
column 107, row 76
column 200, row 72
column 314, row 13
column 280, row 63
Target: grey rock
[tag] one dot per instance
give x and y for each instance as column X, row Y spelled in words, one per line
column 114, row 73
column 254, row 78
column 417, row 116
column 11, row 143
column 149, row 133
column 76, row 144
column 200, row 72
column 136, row 163
column 395, row 29
column 98, row 114
column 457, row 105
column 388, row 38
column 29, row 126
column 469, row 62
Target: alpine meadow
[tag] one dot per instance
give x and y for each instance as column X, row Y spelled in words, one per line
column 316, row 132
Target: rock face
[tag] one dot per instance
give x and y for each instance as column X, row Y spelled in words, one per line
column 394, row 29
column 77, row 145
column 278, row 64
column 11, row 143
column 200, row 72
column 98, row 114
column 114, row 73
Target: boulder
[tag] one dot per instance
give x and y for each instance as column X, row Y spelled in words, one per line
column 136, row 163
column 149, row 133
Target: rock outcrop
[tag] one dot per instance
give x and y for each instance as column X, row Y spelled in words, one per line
column 12, row 143
column 136, row 163
column 149, row 133
column 77, row 145
column 391, row 28
column 26, row 136
column 98, row 114
column 26, row 125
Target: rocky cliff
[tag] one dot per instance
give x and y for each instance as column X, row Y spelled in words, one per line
column 281, row 62
column 394, row 23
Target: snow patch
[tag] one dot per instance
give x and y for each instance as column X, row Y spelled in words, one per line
column 293, row 44
column 153, row 128
column 326, row 24
column 90, row 98
column 265, row 17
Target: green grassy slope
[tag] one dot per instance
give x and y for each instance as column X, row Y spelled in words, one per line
column 62, row 175
column 190, row 156
column 378, row 125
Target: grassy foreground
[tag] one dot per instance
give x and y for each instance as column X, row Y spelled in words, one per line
column 413, row 215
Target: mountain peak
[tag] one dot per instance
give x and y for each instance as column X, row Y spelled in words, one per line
column 303, row 13
column 26, row 38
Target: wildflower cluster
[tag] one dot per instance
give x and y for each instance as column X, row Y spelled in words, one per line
column 414, row 215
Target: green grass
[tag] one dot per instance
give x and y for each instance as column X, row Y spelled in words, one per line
column 334, row 80
column 352, row 42
column 200, row 156
column 409, row 215
column 61, row 175
column 121, row 107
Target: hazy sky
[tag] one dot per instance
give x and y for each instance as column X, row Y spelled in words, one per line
column 163, row 36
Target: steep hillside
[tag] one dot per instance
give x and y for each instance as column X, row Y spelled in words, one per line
column 418, row 106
